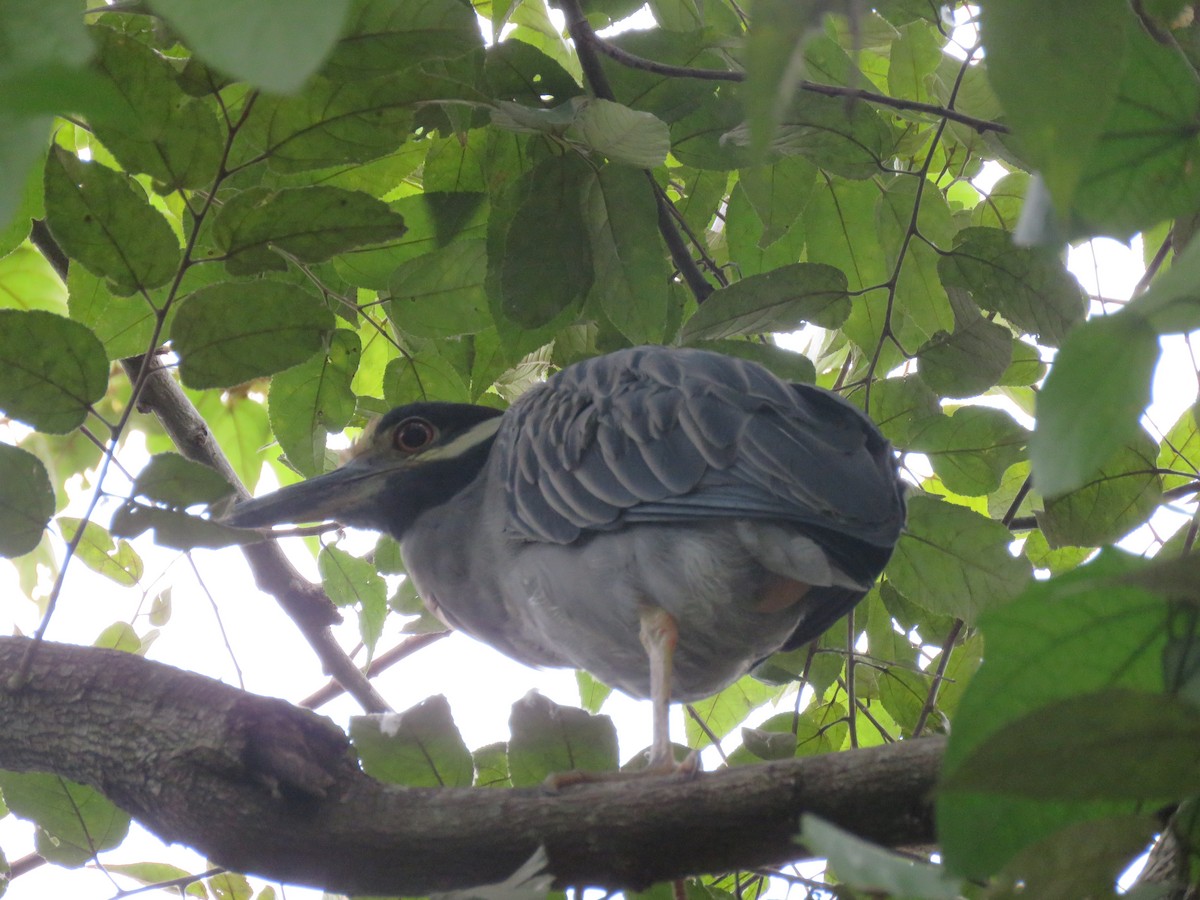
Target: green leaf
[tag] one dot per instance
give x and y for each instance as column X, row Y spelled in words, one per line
column 542, row 272
column 774, row 46
column 1078, row 633
column 632, row 275
column 780, row 300
column 491, row 766
column 971, row 449
column 103, row 219
column 275, row 45
column 1084, row 859
column 28, row 281
column 547, row 739
column 967, row 362
column 385, row 35
column 166, row 134
column 425, row 375
column 420, row 747
column 226, row 334
column 1180, row 451
column 851, row 140
column 350, row 581
column 592, row 693
column 1092, row 400
column 75, row 822
column 441, row 294
column 787, row 364
column 1108, row 745
column 667, row 97
column 54, row 370
column 778, row 193
column 21, row 151
column 123, row 324
column 175, row 528
column 1057, row 78
column 329, row 123
column 26, row 501
column 178, row 482
column 622, row 134
column 1121, row 495
column 723, row 712
column 309, row 401
column 117, row 561
column 1143, row 168
column 899, row 406
column 863, row 866
column 1028, row 286
column 953, row 561
column 312, row 224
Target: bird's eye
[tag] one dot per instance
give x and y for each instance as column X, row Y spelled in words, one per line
column 412, row 435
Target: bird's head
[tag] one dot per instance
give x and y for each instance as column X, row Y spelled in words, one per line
column 409, row 460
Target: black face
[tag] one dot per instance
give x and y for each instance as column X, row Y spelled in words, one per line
column 418, row 431
column 416, row 457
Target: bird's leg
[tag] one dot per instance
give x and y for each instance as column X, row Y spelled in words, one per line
column 659, row 633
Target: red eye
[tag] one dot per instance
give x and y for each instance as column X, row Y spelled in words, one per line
column 413, row 435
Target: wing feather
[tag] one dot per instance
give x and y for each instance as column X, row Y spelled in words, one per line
column 658, row 434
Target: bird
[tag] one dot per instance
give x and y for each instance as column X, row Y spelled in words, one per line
column 663, row 518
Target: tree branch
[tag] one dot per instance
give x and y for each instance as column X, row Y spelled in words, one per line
column 586, row 42
column 304, row 602
column 260, row 786
column 641, row 63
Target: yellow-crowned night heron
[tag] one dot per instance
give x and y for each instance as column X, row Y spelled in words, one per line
column 663, row 518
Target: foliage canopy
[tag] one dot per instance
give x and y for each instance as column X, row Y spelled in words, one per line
column 310, row 211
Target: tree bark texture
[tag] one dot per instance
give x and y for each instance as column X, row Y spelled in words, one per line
column 263, row 787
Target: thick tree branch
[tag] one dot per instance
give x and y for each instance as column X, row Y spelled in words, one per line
column 264, row 787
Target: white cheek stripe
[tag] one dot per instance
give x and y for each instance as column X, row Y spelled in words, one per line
column 472, row 437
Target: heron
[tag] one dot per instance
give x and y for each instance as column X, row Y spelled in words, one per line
column 663, row 518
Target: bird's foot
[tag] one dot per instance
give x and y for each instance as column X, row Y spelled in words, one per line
column 664, row 766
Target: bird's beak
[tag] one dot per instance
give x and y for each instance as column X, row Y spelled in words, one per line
column 347, row 495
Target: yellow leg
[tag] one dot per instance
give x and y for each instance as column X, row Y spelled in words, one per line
column 659, row 635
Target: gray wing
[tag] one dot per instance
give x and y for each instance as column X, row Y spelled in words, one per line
column 656, row 434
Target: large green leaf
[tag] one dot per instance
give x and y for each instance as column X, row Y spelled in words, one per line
column 351, row 581
column 971, row 449
column 177, row 140
column 1118, row 496
column 632, row 275
column 542, row 272
column 75, row 822
column 968, row 361
column 383, row 36
column 1057, row 79
column 229, row 333
column 273, row 44
column 780, row 300
column 28, row 281
column 953, row 561
column 1122, row 745
column 1091, row 402
column 441, row 294
column 1070, row 636
column 420, row 747
column 104, row 220
column 548, row 739
column 115, row 560
column 313, row 399
column 54, row 370
column 312, row 224
column 1028, row 286
column 26, row 501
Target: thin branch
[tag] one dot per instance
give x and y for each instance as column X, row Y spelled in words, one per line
column 586, row 44
column 633, row 61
